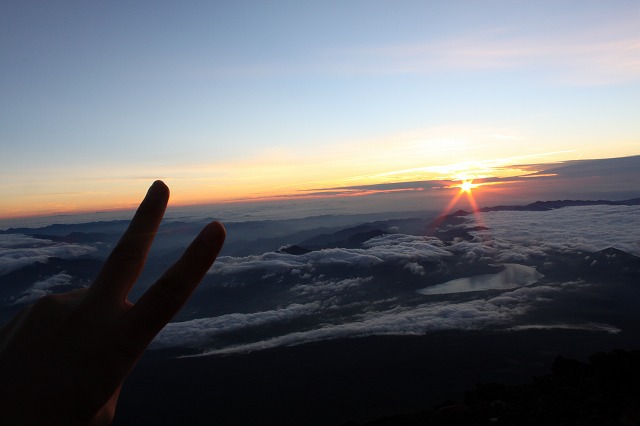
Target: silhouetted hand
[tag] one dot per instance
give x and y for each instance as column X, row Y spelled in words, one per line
column 63, row 360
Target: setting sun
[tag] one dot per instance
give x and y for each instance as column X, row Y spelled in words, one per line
column 467, row 186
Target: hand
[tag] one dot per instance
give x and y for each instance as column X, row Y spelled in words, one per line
column 63, row 360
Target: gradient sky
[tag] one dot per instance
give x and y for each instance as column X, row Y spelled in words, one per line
column 229, row 100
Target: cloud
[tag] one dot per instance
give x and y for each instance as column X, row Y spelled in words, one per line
column 396, row 320
column 378, row 250
column 338, row 295
column 18, row 251
column 425, row 185
column 197, row 332
column 42, row 288
column 389, row 186
column 604, row 167
column 274, row 262
column 328, row 288
column 519, row 235
column 474, row 251
column 591, row 58
column 414, row 268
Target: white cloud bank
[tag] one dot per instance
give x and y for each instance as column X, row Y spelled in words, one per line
column 589, row 228
column 512, row 237
column 386, row 248
column 18, row 251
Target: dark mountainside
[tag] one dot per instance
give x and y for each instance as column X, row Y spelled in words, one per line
column 605, row 391
column 446, row 378
column 83, row 270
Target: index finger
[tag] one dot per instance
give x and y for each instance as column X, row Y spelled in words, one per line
column 163, row 300
column 125, row 263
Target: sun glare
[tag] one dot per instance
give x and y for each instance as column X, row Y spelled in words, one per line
column 466, row 186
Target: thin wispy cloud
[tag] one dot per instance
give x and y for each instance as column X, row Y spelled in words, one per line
column 582, row 61
column 200, row 331
column 471, row 315
column 569, row 59
column 42, row 288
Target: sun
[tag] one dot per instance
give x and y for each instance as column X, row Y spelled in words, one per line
column 466, row 186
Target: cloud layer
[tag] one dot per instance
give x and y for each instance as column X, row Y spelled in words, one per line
column 338, row 292
column 272, row 299
column 470, row 315
column 386, row 248
column 590, row 228
column 17, row 251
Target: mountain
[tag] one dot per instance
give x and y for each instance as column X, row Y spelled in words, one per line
column 550, row 205
column 345, row 238
column 602, row 392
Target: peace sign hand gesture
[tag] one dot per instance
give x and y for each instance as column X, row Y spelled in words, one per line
column 63, row 360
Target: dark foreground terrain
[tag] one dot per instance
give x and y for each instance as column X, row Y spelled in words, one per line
column 448, row 378
column 604, row 391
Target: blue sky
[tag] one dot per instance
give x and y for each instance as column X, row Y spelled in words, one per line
column 244, row 99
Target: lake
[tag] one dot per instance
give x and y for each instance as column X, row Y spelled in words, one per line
column 514, row 275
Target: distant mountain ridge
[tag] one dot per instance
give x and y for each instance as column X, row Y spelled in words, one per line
column 558, row 204
column 539, row 206
column 601, row 391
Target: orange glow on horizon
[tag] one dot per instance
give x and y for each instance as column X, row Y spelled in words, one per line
column 267, row 179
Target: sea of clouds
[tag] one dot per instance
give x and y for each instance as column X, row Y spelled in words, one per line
column 589, row 228
column 516, row 237
column 371, row 290
column 17, row 251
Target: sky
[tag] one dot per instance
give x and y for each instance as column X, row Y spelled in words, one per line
column 243, row 100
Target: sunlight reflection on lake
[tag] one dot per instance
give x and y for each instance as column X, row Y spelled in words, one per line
column 514, row 275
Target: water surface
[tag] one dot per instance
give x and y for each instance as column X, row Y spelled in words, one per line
column 514, row 275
